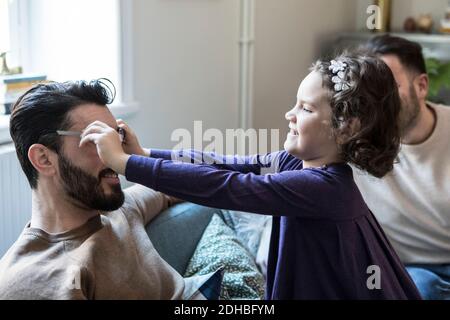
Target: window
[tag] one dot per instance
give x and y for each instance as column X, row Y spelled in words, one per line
column 72, row 40
column 11, row 22
column 4, row 26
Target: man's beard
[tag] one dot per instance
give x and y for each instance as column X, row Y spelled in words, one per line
column 410, row 111
column 87, row 189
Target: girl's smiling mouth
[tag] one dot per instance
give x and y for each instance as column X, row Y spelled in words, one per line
column 293, row 132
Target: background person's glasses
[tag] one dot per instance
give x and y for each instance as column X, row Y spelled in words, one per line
column 120, row 131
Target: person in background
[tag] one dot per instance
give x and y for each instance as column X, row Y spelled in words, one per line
column 412, row 203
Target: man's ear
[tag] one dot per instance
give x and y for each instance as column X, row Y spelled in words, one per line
column 421, row 84
column 43, row 159
column 348, row 129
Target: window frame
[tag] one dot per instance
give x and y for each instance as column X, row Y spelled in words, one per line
column 128, row 104
column 18, row 31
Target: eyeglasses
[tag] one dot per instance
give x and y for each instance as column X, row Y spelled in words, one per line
column 120, row 131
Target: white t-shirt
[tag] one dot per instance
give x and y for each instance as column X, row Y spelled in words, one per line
column 412, row 203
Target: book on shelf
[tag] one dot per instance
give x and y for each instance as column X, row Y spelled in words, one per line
column 13, row 86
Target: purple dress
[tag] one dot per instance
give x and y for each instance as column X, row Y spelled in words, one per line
column 325, row 242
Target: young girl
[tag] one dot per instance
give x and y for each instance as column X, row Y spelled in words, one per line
column 325, row 242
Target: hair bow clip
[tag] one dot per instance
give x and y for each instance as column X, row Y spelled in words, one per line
column 339, row 79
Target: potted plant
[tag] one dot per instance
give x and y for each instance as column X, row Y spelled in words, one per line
column 439, row 75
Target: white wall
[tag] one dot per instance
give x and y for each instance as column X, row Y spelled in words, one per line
column 290, row 35
column 187, row 58
column 186, row 66
column 401, row 9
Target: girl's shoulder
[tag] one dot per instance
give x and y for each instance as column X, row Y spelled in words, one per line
column 330, row 178
column 287, row 162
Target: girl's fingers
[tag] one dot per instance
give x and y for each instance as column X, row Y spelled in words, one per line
column 97, row 124
column 92, row 129
column 128, row 132
column 92, row 137
column 123, row 125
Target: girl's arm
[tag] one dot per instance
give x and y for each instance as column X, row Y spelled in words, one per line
column 289, row 193
column 258, row 164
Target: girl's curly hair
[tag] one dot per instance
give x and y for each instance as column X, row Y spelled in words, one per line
column 373, row 100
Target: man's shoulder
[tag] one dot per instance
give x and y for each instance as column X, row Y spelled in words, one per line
column 136, row 197
column 438, row 143
column 141, row 204
column 442, row 111
column 25, row 275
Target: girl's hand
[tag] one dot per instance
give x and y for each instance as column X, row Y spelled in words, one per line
column 130, row 143
column 109, row 146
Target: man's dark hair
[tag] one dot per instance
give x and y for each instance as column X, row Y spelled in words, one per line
column 409, row 53
column 45, row 108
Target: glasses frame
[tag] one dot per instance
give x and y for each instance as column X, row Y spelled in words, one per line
column 120, row 131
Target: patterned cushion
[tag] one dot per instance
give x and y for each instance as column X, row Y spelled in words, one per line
column 248, row 227
column 220, row 247
column 203, row 287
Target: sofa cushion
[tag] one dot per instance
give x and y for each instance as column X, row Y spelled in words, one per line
column 176, row 232
column 220, row 247
column 249, row 227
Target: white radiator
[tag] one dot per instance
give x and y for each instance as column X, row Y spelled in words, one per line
column 15, row 198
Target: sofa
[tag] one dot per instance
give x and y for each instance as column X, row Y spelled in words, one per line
column 196, row 240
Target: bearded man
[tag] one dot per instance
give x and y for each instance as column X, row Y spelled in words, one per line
column 86, row 238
